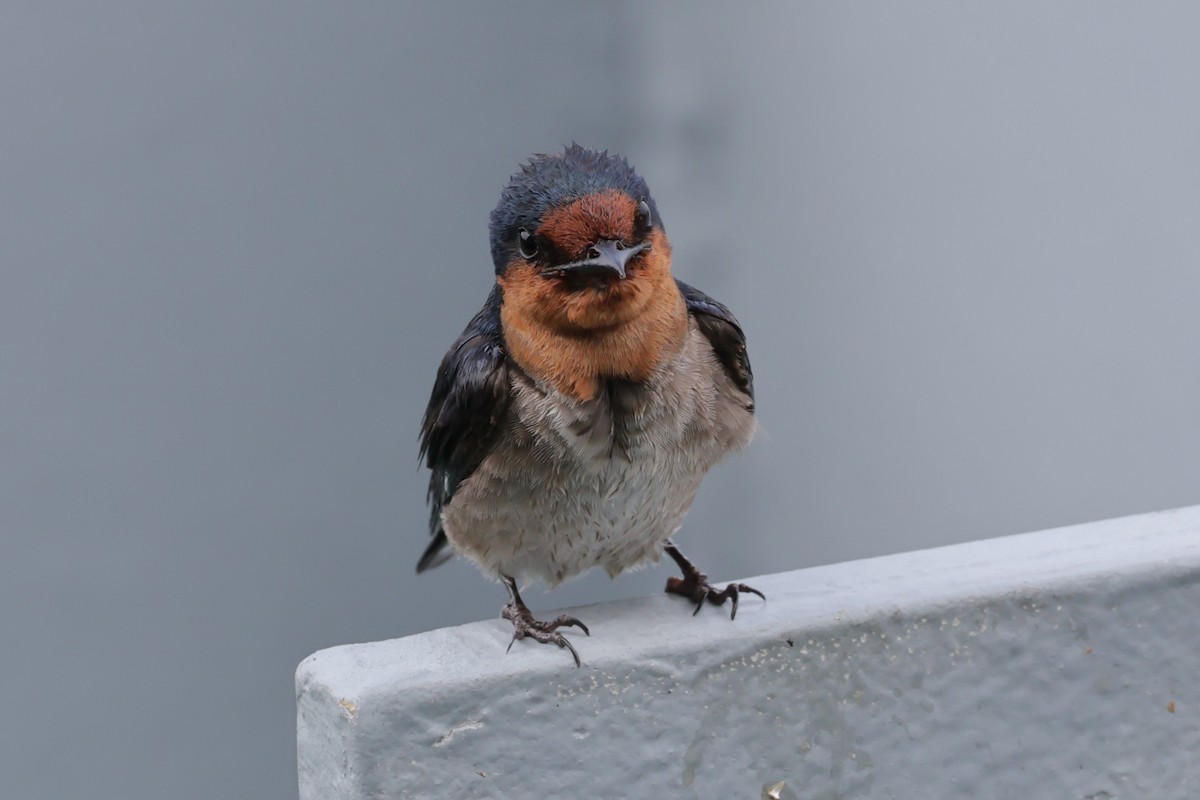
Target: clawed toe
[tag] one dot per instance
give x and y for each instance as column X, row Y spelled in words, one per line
column 694, row 585
column 544, row 632
column 526, row 627
column 567, row 622
column 701, row 590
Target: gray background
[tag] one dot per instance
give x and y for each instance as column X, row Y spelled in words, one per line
column 237, row 238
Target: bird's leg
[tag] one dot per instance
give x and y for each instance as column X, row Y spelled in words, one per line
column 694, row 584
column 524, row 625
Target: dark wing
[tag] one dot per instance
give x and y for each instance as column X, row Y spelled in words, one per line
column 725, row 335
column 469, row 401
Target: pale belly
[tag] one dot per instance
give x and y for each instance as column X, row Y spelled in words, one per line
column 519, row 518
column 571, row 486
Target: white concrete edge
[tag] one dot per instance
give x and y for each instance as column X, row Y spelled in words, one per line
column 1148, row 547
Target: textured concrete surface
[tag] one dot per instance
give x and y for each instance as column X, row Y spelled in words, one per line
column 1060, row 664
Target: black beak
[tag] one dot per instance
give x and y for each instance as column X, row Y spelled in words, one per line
column 604, row 255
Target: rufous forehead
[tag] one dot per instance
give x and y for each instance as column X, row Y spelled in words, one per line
column 576, row 226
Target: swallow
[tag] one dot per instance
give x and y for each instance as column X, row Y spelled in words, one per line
column 571, row 423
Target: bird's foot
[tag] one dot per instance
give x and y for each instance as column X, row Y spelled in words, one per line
column 697, row 589
column 525, row 626
column 694, row 585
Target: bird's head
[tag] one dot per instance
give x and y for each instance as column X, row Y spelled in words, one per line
column 578, row 244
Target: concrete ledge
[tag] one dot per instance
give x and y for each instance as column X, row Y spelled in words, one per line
column 1061, row 664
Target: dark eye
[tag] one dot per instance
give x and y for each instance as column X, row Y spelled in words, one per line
column 643, row 215
column 526, row 243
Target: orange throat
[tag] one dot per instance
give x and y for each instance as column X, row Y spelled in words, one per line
column 574, row 340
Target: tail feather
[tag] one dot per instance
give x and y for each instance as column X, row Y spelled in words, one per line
column 437, row 553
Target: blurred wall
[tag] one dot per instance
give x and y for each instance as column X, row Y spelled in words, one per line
column 236, row 241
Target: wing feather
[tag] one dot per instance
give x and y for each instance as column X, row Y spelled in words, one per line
column 466, row 410
column 723, row 332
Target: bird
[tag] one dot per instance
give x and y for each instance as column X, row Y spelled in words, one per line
column 572, row 421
